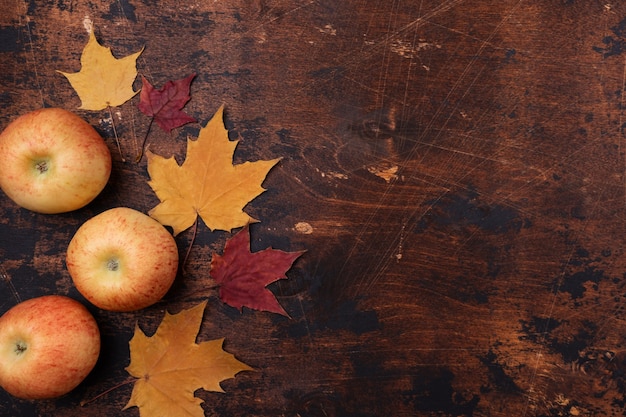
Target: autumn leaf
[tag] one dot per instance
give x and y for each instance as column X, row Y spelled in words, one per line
column 207, row 183
column 165, row 104
column 103, row 80
column 171, row 366
column 243, row 275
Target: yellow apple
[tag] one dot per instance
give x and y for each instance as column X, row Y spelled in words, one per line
column 52, row 161
column 48, row 345
column 122, row 260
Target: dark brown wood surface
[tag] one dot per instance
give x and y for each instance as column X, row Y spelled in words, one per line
column 454, row 169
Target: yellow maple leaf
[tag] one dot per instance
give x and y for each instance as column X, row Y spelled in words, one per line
column 171, row 366
column 103, row 80
column 207, row 183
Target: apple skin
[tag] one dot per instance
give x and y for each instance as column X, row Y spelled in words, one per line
column 52, row 161
column 48, row 345
column 122, row 260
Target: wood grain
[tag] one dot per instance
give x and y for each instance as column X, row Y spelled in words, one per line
column 454, row 169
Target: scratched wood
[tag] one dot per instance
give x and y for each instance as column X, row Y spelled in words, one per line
column 454, row 169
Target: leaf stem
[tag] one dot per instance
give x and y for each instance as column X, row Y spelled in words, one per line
column 193, row 239
column 113, row 388
column 117, row 140
column 143, row 144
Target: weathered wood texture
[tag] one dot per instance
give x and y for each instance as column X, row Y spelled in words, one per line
column 455, row 170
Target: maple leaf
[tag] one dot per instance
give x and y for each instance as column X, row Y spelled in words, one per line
column 103, row 80
column 243, row 275
column 165, row 104
column 207, row 183
column 170, row 366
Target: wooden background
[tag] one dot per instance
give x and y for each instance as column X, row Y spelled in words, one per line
column 454, row 169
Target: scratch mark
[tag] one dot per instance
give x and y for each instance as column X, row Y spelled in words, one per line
column 621, row 122
column 281, row 15
column 441, row 8
column 34, row 59
column 398, row 255
column 379, row 269
column 306, row 323
column 133, row 130
column 6, row 278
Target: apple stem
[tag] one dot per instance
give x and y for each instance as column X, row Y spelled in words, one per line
column 143, row 144
column 113, row 388
column 117, row 140
column 7, row 278
column 193, row 239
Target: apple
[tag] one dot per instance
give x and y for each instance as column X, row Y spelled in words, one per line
column 122, row 260
column 48, row 345
column 52, row 161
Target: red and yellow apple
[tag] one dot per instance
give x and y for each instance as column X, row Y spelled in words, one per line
column 52, row 161
column 122, row 260
column 48, row 345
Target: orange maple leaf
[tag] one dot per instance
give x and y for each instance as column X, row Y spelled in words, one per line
column 103, row 80
column 171, row 366
column 207, row 183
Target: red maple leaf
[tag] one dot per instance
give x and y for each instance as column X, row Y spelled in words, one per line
column 243, row 275
column 165, row 104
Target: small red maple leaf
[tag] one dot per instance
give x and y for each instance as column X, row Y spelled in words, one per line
column 165, row 104
column 243, row 275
